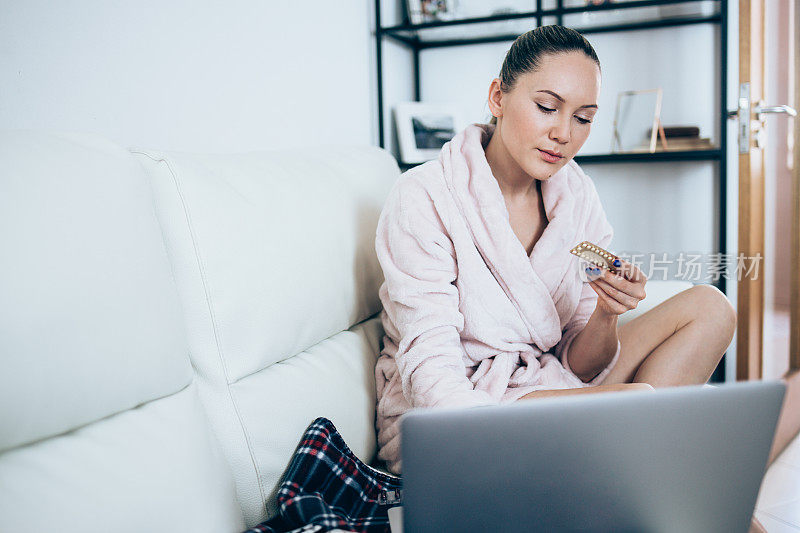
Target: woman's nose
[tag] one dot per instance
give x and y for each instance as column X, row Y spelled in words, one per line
column 561, row 131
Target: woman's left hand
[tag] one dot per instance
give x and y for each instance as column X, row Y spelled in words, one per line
column 618, row 292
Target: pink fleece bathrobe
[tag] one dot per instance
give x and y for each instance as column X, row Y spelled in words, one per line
column 470, row 318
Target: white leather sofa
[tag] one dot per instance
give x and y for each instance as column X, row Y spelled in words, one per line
column 170, row 323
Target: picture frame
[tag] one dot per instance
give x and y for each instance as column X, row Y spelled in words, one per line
column 420, row 11
column 414, row 11
column 637, row 121
column 423, row 128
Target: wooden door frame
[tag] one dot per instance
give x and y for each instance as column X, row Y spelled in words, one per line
column 750, row 293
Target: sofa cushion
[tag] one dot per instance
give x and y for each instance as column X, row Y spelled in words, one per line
column 99, row 418
column 89, row 315
column 154, row 468
column 334, row 378
column 274, row 257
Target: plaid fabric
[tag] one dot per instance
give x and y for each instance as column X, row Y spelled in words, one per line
column 327, row 488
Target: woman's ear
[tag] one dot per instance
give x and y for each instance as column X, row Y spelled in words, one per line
column 495, row 98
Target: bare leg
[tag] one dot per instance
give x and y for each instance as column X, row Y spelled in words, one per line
column 588, row 390
column 678, row 342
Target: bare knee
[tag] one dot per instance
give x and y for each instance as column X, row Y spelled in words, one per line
column 708, row 302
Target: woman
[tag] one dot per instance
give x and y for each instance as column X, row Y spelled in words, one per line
column 483, row 303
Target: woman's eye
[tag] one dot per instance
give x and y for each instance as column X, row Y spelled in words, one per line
column 548, row 110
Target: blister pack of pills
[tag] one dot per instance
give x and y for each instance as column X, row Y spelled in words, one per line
column 595, row 255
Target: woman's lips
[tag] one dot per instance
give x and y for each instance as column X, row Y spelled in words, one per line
column 549, row 158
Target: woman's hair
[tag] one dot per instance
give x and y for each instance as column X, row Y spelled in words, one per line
column 527, row 50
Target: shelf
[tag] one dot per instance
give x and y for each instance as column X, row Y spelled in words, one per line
column 645, row 157
column 623, row 16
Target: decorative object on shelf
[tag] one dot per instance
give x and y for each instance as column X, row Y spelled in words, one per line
column 439, row 9
column 423, row 128
column 420, row 11
column 685, row 138
column 637, row 120
column 414, row 11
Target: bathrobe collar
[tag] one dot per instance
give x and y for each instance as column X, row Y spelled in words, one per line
column 534, row 283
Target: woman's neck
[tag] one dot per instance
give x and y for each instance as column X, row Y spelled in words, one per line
column 515, row 183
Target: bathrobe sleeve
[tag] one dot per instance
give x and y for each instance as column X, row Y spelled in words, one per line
column 421, row 300
column 599, row 231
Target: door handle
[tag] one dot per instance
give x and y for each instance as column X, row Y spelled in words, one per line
column 759, row 110
column 792, row 112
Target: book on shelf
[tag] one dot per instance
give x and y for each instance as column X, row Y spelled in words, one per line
column 678, row 131
column 675, row 145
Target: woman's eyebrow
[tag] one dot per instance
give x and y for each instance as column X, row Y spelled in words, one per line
column 562, row 100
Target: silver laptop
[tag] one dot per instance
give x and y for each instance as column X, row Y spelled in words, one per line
column 678, row 459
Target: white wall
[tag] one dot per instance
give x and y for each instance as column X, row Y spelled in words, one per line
column 191, row 76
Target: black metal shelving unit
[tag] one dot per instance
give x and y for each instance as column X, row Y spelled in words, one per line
column 408, row 35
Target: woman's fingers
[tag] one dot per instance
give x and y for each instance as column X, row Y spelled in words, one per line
column 619, row 291
column 613, row 305
column 630, row 288
column 630, row 302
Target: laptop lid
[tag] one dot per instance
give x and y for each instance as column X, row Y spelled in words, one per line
column 687, row 458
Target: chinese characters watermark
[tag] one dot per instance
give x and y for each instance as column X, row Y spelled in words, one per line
column 690, row 266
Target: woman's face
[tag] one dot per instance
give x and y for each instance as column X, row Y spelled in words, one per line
column 551, row 109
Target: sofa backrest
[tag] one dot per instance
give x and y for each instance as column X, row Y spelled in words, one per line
column 101, row 424
column 274, row 259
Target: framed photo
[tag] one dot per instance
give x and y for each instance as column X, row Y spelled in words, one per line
column 423, row 128
column 420, row 11
column 414, row 9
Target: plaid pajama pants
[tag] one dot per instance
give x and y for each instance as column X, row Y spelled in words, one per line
column 327, row 487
